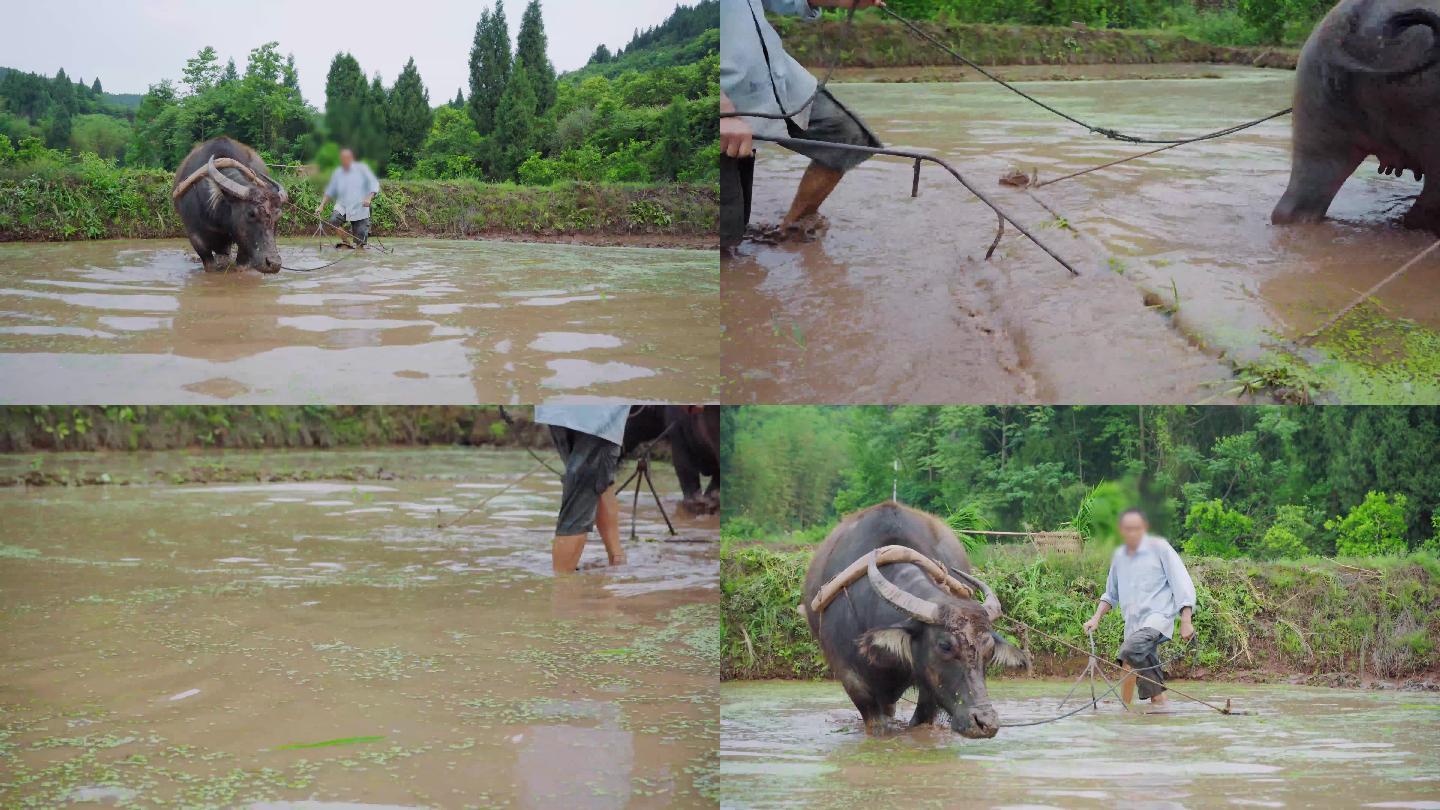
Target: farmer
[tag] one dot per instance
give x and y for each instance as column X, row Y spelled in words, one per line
column 588, row 438
column 757, row 75
column 1150, row 585
column 352, row 187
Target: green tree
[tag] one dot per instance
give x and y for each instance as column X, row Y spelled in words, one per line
column 102, row 135
column 490, row 67
column 451, row 149
column 231, row 74
column 346, row 96
column 202, row 71
column 515, row 127
column 408, row 116
column 673, row 149
column 1375, row 526
column 57, row 134
column 459, row 102
column 530, row 53
column 1215, row 531
column 95, row 86
column 373, row 139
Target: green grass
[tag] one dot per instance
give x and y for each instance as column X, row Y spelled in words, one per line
column 878, row 42
column 1299, row 616
column 90, row 199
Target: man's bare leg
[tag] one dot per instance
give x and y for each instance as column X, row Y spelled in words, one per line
column 565, row 554
column 815, row 188
column 1159, row 701
column 607, row 520
column 1127, row 685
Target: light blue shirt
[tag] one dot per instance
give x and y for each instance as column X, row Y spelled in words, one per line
column 605, row 421
column 350, row 188
column 1150, row 586
column 744, row 75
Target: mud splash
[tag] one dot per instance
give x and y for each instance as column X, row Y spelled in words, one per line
column 787, row 744
column 323, row 644
column 1185, row 279
column 434, row 322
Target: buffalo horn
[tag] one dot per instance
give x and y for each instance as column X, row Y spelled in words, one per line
column 226, row 184
column 991, row 603
column 920, row 609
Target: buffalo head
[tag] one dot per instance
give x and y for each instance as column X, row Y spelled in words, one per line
column 947, row 643
column 254, row 210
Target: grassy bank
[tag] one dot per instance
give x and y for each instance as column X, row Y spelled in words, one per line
column 121, row 427
column 93, row 200
column 880, row 43
column 1328, row 621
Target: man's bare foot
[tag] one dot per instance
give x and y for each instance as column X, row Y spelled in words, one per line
column 805, row 229
column 1159, row 701
column 618, row 559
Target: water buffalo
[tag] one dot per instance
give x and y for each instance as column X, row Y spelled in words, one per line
column 229, row 205
column 694, row 436
column 1367, row 84
column 895, row 627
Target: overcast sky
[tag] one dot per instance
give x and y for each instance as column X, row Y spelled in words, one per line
column 132, row 44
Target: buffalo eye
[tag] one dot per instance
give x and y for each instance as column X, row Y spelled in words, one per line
column 945, row 644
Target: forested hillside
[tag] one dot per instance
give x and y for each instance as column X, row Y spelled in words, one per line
column 1259, row 481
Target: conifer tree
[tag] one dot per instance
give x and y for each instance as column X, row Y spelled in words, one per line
column 531, row 53
column 490, row 66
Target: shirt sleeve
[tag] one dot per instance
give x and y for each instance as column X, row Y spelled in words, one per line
column 1112, row 588
column 372, row 183
column 1180, row 583
column 332, row 188
column 798, row 8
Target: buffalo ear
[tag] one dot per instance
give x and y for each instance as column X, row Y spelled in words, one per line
column 1006, row 654
column 888, row 646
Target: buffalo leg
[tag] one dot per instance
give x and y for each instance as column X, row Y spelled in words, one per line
column 1316, row 175
column 202, row 249
column 925, row 712
column 871, row 710
column 1425, row 214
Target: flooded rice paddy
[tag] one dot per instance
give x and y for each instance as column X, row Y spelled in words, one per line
column 324, row 644
column 787, row 744
column 436, row 321
column 1184, row 279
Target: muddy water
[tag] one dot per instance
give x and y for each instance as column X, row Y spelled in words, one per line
column 434, row 322
column 270, row 645
column 802, row 745
column 895, row 302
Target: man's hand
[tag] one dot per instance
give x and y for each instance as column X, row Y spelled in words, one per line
column 736, row 138
column 366, row 203
column 1091, row 625
column 1187, row 629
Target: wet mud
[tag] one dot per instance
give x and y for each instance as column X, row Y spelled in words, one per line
column 1184, row 280
column 325, row 644
column 434, row 322
column 788, row 744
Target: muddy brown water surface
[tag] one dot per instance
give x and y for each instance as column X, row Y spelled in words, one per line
column 324, row 644
column 788, row 744
column 436, row 321
column 895, row 303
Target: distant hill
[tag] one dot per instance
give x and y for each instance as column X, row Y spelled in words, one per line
column 688, row 35
column 128, row 102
